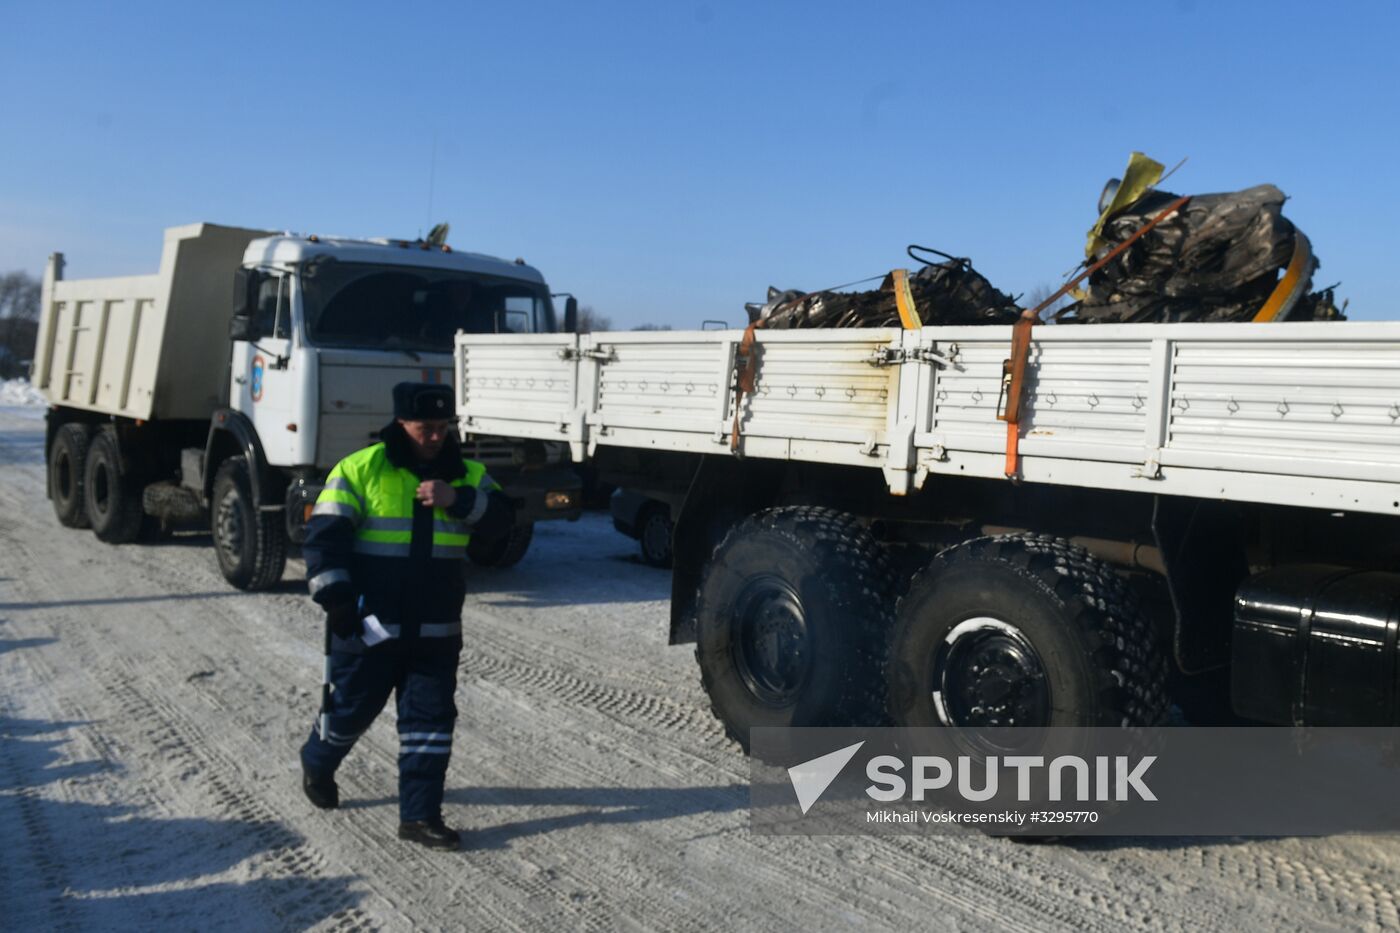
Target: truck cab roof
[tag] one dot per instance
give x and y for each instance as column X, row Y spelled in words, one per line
column 291, row 248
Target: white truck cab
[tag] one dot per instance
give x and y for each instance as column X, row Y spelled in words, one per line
column 327, row 326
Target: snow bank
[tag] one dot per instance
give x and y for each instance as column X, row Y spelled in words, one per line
column 20, row 392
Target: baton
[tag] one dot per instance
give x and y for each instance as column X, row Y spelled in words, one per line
column 324, row 722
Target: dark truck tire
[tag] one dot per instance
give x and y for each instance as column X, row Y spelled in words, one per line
column 250, row 544
column 654, row 531
column 792, row 618
column 503, row 552
column 1023, row 630
column 111, row 496
column 67, row 466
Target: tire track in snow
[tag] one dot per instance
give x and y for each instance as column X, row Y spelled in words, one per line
column 1015, row 873
column 284, row 854
column 1256, row 884
column 39, row 851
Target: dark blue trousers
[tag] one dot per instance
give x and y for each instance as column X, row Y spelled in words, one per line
column 424, row 681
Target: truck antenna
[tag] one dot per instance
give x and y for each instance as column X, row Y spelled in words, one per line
column 432, row 173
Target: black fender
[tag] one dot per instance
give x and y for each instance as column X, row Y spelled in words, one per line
column 723, row 490
column 231, row 433
column 1203, row 549
column 52, row 422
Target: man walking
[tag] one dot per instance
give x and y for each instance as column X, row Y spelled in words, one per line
column 385, row 557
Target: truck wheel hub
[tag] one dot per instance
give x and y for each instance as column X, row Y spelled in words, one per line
column 229, row 526
column 656, row 536
column 770, row 641
column 987, row 673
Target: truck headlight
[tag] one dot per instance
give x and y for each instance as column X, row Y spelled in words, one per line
column 558, row 499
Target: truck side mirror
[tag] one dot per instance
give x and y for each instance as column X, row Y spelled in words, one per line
column 241, row 325
column 242, row 292
column 571, row 315
column 242, row 328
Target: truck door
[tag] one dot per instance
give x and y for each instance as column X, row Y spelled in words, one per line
column 266, row 384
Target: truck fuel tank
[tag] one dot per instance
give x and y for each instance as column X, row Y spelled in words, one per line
column 1315, row 644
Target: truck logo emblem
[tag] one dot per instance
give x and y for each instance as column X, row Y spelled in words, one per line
column 255, row 383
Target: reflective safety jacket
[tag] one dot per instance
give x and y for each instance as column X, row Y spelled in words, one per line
column 371, row 541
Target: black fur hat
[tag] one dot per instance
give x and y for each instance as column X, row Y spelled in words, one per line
column 422, row 401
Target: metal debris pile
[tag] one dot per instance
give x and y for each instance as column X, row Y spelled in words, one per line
column 948, row 292
column 1221, row 257
column 1217, row 259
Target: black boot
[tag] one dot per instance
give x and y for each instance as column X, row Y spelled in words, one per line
column 431, row 833
column 322, row 792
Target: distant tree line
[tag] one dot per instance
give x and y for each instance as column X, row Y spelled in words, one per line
column 19, row 322
column 1041, row 292
column 590, row 321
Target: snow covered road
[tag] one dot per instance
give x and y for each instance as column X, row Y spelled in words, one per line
column 150, row 715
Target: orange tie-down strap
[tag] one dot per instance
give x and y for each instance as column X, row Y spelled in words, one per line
column 1013, row 385
column 1013, row 370
column 746, row 362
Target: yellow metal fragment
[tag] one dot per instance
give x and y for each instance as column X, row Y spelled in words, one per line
column 1140, row 175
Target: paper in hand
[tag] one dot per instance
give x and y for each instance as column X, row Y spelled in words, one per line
column 374, row 632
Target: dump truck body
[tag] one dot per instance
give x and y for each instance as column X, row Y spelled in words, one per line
column 149, row 346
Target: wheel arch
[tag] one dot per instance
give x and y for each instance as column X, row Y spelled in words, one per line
column 232, row 434
column 722, row 492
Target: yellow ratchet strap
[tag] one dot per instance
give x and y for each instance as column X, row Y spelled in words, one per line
column 1286, row 292
column 898, row 282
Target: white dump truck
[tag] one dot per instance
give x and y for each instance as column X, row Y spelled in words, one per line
column 223, row 388
column 1205, row 514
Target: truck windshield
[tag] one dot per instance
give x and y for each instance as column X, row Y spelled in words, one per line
column 352, row 304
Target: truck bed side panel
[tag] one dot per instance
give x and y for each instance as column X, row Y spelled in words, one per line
column 817, row 394
column 525, row 386
column 1304, row 414
column 97, row 330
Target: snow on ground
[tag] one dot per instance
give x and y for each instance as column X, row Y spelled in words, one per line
column 150, row 716
column 19, row 394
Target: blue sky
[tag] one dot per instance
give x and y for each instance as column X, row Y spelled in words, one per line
column 666, row 162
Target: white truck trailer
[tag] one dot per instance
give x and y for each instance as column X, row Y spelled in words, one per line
column 224, row 388
column 1205, row 514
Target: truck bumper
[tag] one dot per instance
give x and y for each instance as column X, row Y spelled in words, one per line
column 301, row 498
column 543, row 495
